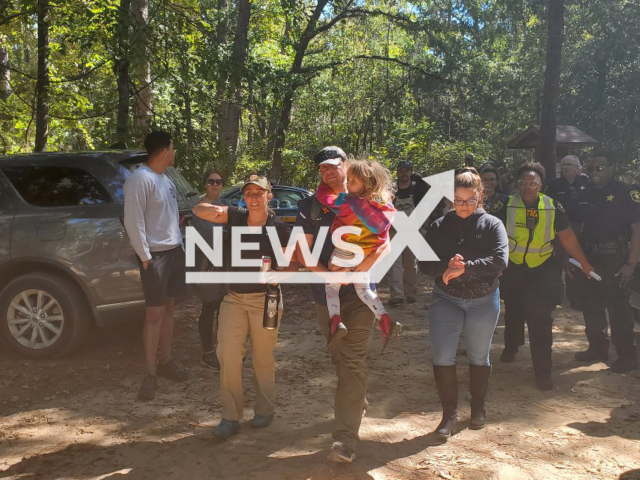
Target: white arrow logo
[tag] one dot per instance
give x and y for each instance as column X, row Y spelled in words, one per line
column 407, row 235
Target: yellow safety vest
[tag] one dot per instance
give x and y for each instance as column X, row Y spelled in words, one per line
column 523, row 247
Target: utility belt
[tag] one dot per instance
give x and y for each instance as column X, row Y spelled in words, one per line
column 614, row 247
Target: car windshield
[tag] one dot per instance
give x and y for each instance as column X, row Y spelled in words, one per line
column 282, row 198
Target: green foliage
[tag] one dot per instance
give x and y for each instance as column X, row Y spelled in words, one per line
column 426, row 81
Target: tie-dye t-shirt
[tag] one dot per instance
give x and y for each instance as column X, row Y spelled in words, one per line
column 366, row 214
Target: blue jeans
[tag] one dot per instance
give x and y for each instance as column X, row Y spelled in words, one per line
column 450, row 316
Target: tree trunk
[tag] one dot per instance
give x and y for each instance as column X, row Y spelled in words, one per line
column 222, row 35
column 42, row 84
column 546, row 152
column 285, row 120
column 142, row 112
column 121, row 68
column 290, row 87
column 5, row 74
column 230, row 108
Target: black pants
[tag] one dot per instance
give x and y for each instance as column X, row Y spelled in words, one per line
column 607, row 296
column 573, row 289
column 530, row 295
column 208, row 325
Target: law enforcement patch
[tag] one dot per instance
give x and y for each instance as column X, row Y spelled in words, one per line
column 559, row 206
column 497, row 206
column 635, row 196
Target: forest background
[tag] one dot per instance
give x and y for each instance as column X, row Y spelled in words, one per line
column 261, row 85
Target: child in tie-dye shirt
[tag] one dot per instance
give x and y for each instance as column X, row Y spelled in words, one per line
column 367, row 205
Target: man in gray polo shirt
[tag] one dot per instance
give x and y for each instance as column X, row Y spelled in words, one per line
column 151, row 219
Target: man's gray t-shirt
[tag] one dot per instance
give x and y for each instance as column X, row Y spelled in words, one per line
column 151, row 216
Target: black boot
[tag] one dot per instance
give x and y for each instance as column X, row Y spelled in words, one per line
column 627, row 359
column 447, row 384
column 479, row 381
column 594, row 354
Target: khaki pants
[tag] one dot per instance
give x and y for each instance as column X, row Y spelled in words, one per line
column 241, row 315
column 349, row 357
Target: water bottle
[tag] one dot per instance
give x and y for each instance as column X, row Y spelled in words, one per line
column 271, row 307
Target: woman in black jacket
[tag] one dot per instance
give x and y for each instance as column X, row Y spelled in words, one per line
column 473, row 249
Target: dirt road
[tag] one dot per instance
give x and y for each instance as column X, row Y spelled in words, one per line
column 79, row 418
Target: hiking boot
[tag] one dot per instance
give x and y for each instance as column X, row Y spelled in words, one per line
column 148, row 389
column 447, row 385
column 210, row 359
column 341, row 453
column 172, row 371
column 226, row 428
column 411, row 299
column 394, row 302
column 337, row 329
column 478, row 384
column 591, row 355
column 544, row 383
column 508, row 355
column 624, row 365
column 261, row 421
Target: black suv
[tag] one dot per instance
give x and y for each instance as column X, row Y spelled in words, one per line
column 65, row 258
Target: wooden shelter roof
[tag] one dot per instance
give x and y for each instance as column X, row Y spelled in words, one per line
column 566, row 136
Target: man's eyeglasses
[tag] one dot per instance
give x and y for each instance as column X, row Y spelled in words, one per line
column 524, row 184
column 473, row 201
column 597, row 168
column 568, row 165
column 215, row 181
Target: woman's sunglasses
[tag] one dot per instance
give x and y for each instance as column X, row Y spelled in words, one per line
column 215, row 181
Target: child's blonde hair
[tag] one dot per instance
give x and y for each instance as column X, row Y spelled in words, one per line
column 375, row 177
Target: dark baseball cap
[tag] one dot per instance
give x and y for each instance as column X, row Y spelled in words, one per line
column 330, row 155
column 404, row 164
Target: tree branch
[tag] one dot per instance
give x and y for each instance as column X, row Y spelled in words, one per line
column 8, row 18
column 312, row 70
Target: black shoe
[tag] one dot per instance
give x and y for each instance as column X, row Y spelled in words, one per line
column 210, row 359
column 544, row 383
column 508, row 355
column 591, row 356
column 623, row 366
column 411, row 299
column 341, row 453
column 148, row 389
column 172, row 371
column 394, row 302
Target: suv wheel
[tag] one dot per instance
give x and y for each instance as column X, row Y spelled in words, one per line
column 43, row 316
